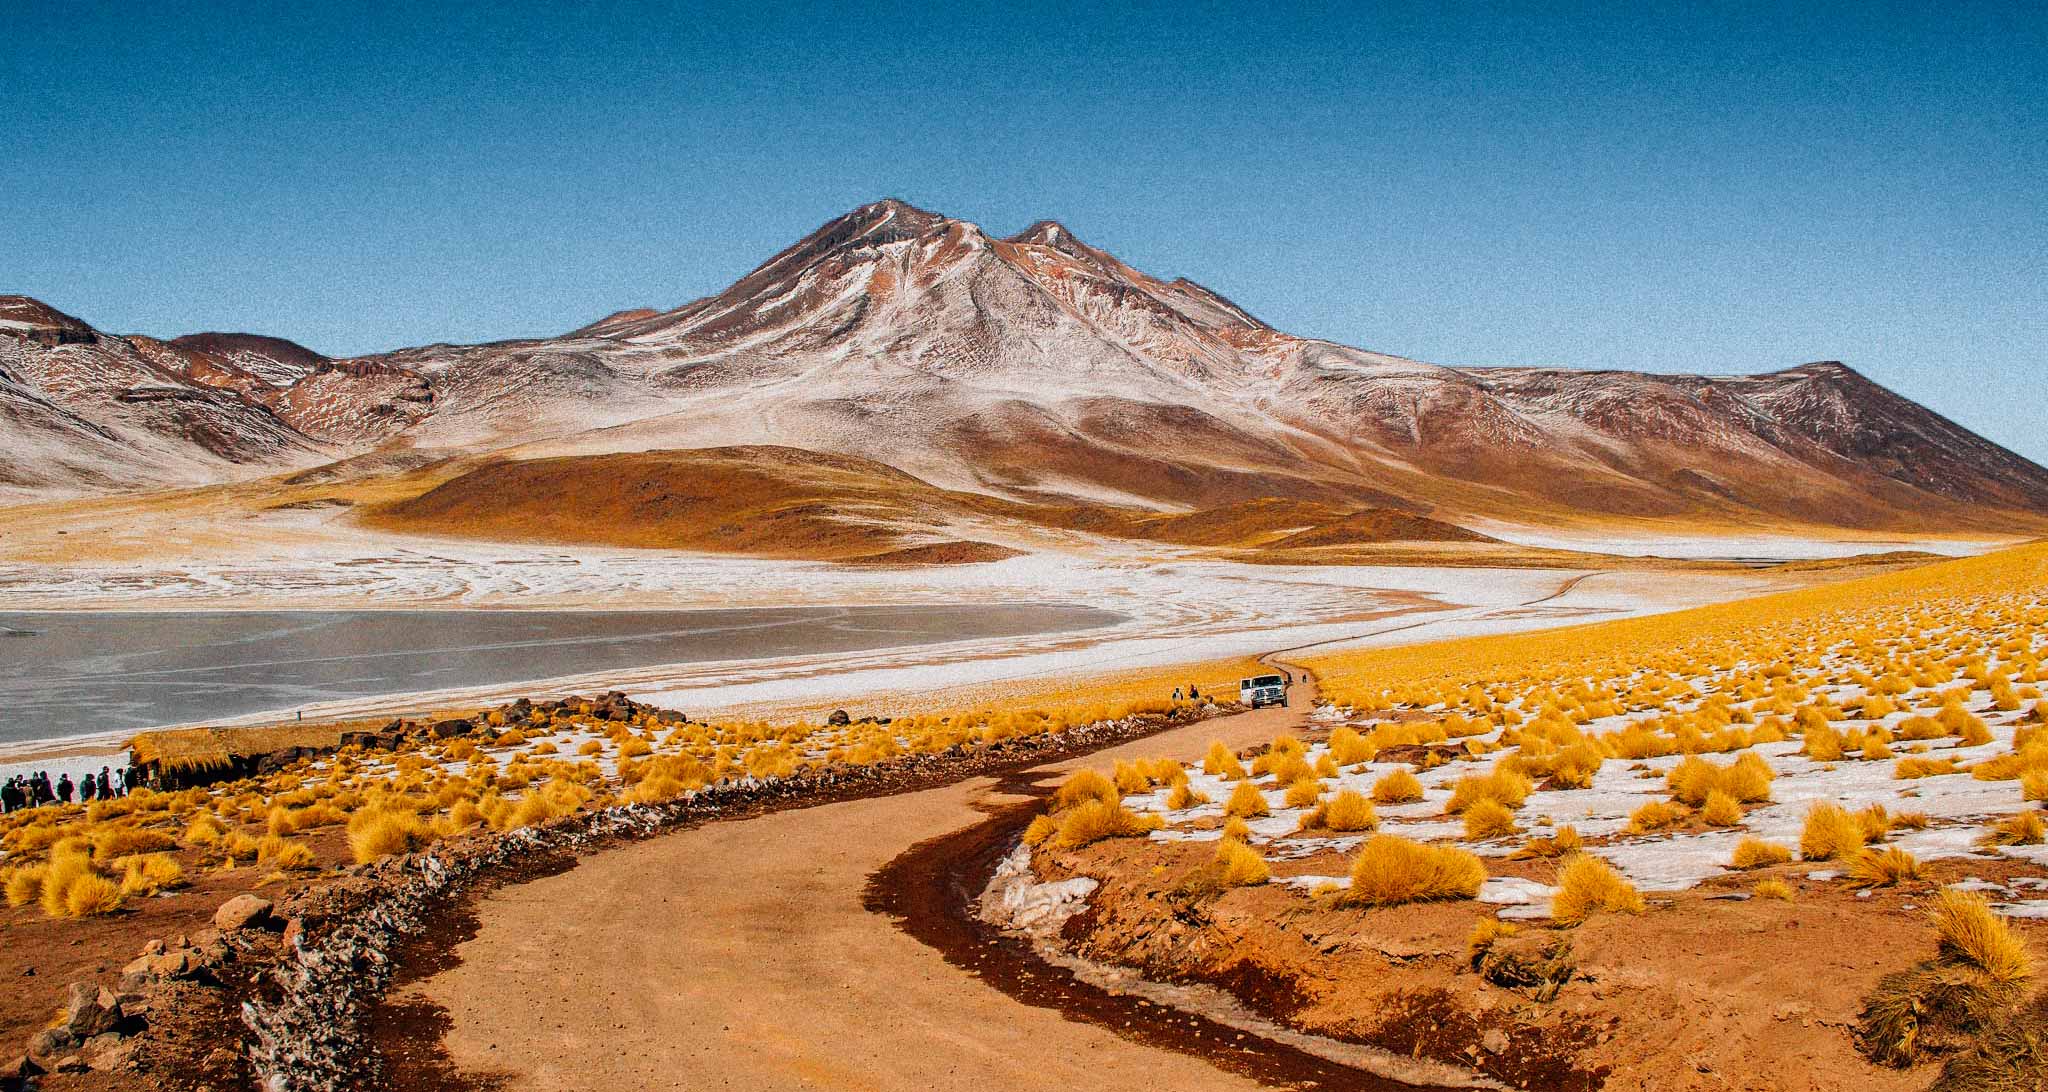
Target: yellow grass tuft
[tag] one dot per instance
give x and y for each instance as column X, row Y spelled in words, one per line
column 1094, row 819
column 1488, row 819
column 1085, row 785
column 1241, row 864
column 1503, row 786
column 1246, row 802
column 1885, row 867
column 1565, row 841
column 2023, row 829
column 1391, row 870
column 1655, row 815
column 1304, row 794
column 1757, row 853
column 1773, row 889
column 1220, row 762
column 1397, row 787
column 1588, row 885
column 1345, row 812
column 1830, row 832
column 377, row 832
column 91, row 894
column 1971, row 932
column 25, row 885
column 1721, row 810
column 1912, row 767
column 146, row 875
column 1183, row 796
column 1041, row 828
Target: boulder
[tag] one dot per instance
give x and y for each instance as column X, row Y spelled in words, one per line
column 89, row 1009
column 839, row 719
column 242, row 912
column 448, row 728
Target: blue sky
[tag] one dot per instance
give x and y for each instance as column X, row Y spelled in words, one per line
column 1675, row 188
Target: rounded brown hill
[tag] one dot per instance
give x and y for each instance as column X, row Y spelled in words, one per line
column 767, row 501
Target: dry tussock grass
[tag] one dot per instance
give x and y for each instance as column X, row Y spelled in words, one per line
column 1390, row 870
column 1587, row 885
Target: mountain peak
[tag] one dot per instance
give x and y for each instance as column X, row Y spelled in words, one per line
column 1050, row 233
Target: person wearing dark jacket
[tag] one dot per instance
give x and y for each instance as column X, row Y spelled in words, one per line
column 11, row 798
column 88, row 789
column 63, row 788
column 106, row 783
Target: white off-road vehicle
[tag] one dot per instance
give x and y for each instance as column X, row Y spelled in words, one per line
column 1262, row 690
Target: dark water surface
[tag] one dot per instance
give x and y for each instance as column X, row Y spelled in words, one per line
column 74, row 673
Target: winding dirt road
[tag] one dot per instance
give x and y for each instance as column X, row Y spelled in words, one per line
column 758, row 954
column 742, row 955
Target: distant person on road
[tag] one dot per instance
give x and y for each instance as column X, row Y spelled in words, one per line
column 64, row 788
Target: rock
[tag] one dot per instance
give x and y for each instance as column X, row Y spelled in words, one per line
column 447, row 728
column 50, row 1042
column 154, row 947
column 294, row 929
column 88, row 1010
column 838, row 719
column 71, row 1063
column 242, row 912
column 21, row 1065
column 1494, row 1041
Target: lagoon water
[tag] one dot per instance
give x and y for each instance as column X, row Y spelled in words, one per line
column 76, row 673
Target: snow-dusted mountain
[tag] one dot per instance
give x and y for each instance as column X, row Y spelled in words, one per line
column 1033, row 366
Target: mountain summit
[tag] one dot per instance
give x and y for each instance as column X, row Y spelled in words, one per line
column 1030, row 368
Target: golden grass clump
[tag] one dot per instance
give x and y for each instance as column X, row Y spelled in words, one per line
column 149, row 873
column 1095, row 819
column 1773, row 889
column 1085, row 785
column 1488, row 819
column 1885, row 867
column 1914, row 766
column 112, row 842
column 1656, row 815
column 91, row 894
column 1041, row 828
column 285, row 855
column 1246, row 801
column 2023, row 829
column 1185, row 796
column 1349, row 748
column 203, row 830
column 1502, row 786
column 1588, row 885
column 1397, row 787
column 1345, row 812
column 378, row 832
column 1721, row 810
column 1304, row 794
column 1972, row 933
column 1220, row 762
column 1757, row 853
column 1241, row 865
column 25, row 885
column 1830, row 833
column 1565, row 841
column 1390, row 870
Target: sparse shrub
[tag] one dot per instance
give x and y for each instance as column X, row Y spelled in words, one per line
column 378, row 832
column 1304, row 794
column 1910, row 768
column 1396, row 787
column 1085, row 785
column 1185, row 796
column 1757, row 853
column 203, row 830
column 1885, row 867
column 122, row 841
column 1565, row 841
column 1246, row 801
column 1345, row 812
column 1488, row 819
column 1972, row 933
column 1220, row 762
column 2023, row 829
column 1655, row 815
column 1041, row 828
column 1503, row 786
column 1721, row 810
column 1241, row 865
column 91, row 894
column 1587, row 885
column 1094, row 819
column 1830, row 832
column 1390, row 870
column 25, row 885
column 1773, row 889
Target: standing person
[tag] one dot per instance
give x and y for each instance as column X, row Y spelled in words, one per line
column 10, row 796
column 64, row 788
column 1194, row 694
column 44, row 793
column 1176, row 693
column 106, row 783
column 88, row 789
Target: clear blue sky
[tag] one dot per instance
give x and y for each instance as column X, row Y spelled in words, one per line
column 1701, row 187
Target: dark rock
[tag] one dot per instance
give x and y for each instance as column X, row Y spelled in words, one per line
column 838, row 719
column 446, row 728
column 50, row 1042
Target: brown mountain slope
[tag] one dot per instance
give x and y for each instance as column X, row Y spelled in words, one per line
column 1038, row 368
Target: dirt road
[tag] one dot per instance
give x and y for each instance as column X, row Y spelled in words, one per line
column 741, row 955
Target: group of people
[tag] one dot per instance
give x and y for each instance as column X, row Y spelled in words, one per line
column 1192, row 693
column 35, row 790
